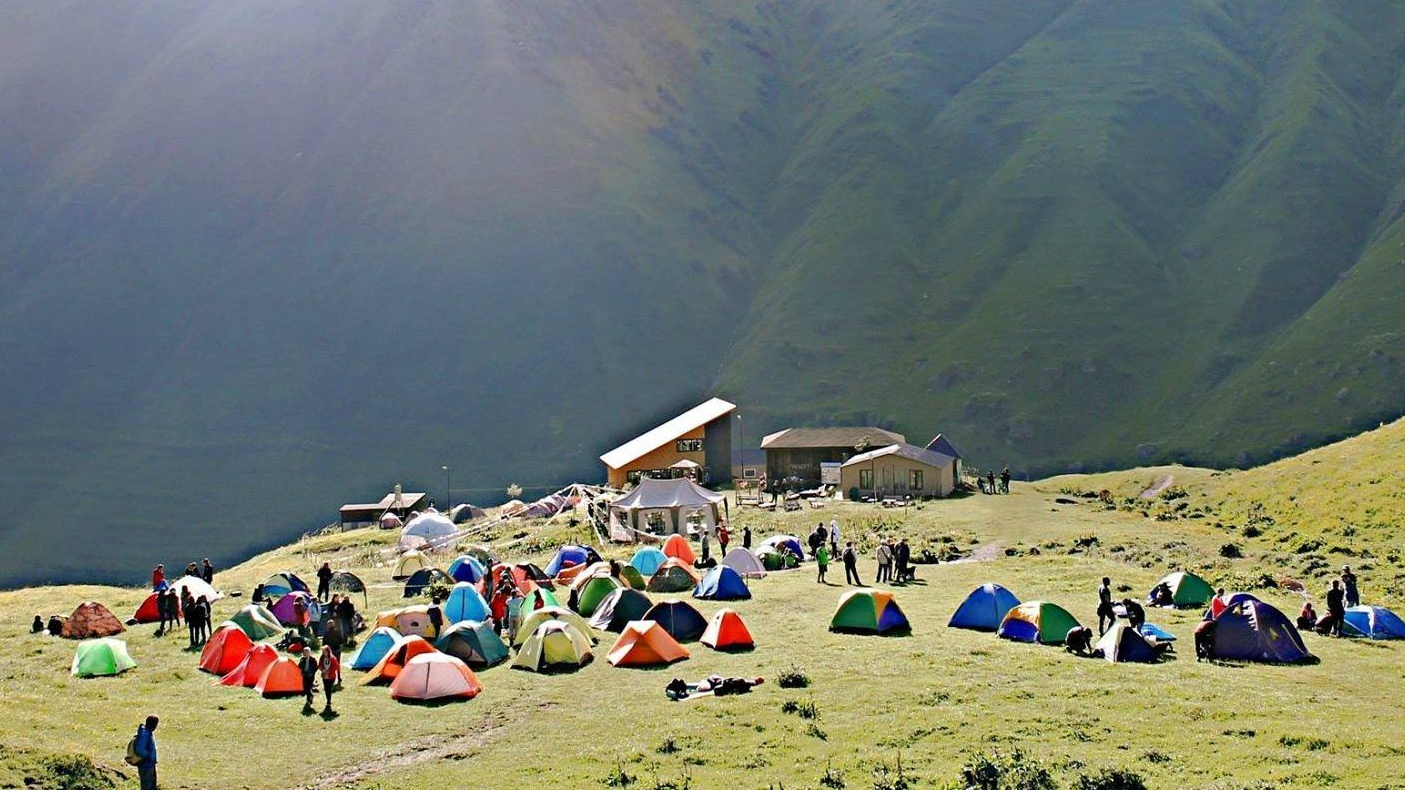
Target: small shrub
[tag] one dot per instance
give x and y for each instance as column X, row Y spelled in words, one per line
column 1310, row 744
column 805, row 709
column 1013, row 770
column 885, row 778
column 814, row 731
column 1110, row 779
column 619, row 777
column 669, row 746
column 1252, row 531
column 1231, row 551
column 793, row 678
column 832, row 779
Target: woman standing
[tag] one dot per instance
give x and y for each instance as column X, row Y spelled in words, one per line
column 330, row 668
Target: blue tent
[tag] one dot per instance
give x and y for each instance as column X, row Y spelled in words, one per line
column 679, row 619
column 1255, row 631
column 984, row 608
column 1373, row 622
column 374, row 648
column 465, row 603
column 282, row 583
column 569, row 557
column 647, row 560
column 467, row 569
column 722, row 584
column 1229, row 601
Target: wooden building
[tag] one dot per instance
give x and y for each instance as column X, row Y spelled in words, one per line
column 798, row 453
column 370, row 513
column 899, row 470
column 695, row 444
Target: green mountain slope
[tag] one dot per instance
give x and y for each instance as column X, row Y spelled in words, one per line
column 264, row 257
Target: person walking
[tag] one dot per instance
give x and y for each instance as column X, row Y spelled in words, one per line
column 333, row 637
column 724, row 536
column 834, row 536
column 1336, row 607
column 143, row 751
column 158, row 578
column 1005, row 480
column 821, row 563
column 1349, row 591
column 851, row 565
column 746, row 538
column 329, row 666
column 436, row 617
column 307, row 665
column 324, row 581
column 207, row 571
column 904, row 558
column 1106, row 615
column 884, row 557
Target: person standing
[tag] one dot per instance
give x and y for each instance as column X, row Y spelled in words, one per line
column 904, row 557
column 834, row 537
column 324, row 581
column 329, row 666
column 990, row 480
column 158, row 578
column 1336, row 607
column 207, row 571
column 144, row 752
column 884, row 558
column 1005, row 480
column 724, row 536
column 821, row 563
column 746, row 538
column 1106, row 615
column 307, row 665
column 187, row 607
column 333, row 639
column 436, row 617
column 705, row 547
column 346, row 613
column 1353, row 597
column 851, row 565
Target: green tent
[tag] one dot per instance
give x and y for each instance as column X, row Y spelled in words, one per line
column 101, row 657
column 867, row 611
column 778, row 560
column 1187, row 589
column 554, row 645
column 539, row 598
column 472, row 642
column 257, row 622
column 1037, row 621
column 632, row 577
column 593, row 592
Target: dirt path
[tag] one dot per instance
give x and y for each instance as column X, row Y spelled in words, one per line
column 984, row 553
column 1155, row 489
column 407, row 754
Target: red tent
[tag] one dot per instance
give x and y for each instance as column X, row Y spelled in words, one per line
column 249, row 671
column 280, row 679
column 226, row 649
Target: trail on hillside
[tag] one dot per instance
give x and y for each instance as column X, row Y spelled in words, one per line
column 1154, row 490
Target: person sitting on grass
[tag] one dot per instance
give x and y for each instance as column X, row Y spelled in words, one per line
column 37, row 627
column 1161, row 595
column 1079, row 641
column 1307, row 618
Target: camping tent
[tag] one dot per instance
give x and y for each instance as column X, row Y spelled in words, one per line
column 595, row 590
column 532, row 621
column 618, row 608
column 1037, row 621
column 677, row 547
column 248, row 671
column 678, row 618
column 1122, row 642
column 226, row 647
column 647, row 560
column 100, row 658
column 868, row 611
column 484, row 554
column 257, row 623
column 664, row 507
column 282, row 583
column 424, row 577
column 463, row 513
column 1255, row 631
column 721, row 583
column 538, row 599
column 474, row 643
column 410, row 621
column 553, row 645
column 428, row 529
column 726, row 631
column 286, row 608
column 374, row 647
column 346, row 582
column 744, row 563
column 196, row 586
column 786, row 543
column 465, row 603
column 281, row 678
column 467, row 568
column 644, row 643
column 150, row 609
column 673, row 576
column 91, row 620
column 984, row 608
column 391, row 521
column 434, row 676
column 406, row 648
column 1187, row 589
column 570, row 557
column 773, row 559
column 1220, row 603
column 1373, row 622
column 408, row 563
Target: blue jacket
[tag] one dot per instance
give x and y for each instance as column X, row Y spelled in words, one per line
column 146, row 745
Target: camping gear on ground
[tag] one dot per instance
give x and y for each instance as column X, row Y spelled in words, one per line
column 1187, row 589
column 428, row 529
column 534, row 620
column 571, row 557
column 595, row 590
column 721, row 584
column 538, row 599
column 1038, row 622
column 726, row 631
column 281, row 678
column 433, row 676
column 248, row 672
column 1256, row 631
column 465, row 603
column 467, row 568
column 424, row 577
column 409, row 621
column 286, row 609
column 645, row 643
column 101, row 658
column 1220, row 603
column 395, row 659
column 678, row 618
column 554, row 645
column 647, row 560
column 1156, row 633
column 374, row 647
column 618, row 608
column 677, row 547
column 744, row 563
column 408, row 563
column 984, row 608
column 284, row 582
column 673, row 576
column 1373, row 622
column 474, row 643
column 711, row 686
column 225, row 649
column 91, row 620
column 1122, row 642
column 869, row 611
column 257, row 622
column 784, row 543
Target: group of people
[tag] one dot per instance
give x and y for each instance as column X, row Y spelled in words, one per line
column 1343, row 594
column 327, row 667
column 1107, row 610
column 893, row 559
column 991, row 485
column 204, row 570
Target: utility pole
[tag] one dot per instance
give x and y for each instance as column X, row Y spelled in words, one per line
column 448, row 491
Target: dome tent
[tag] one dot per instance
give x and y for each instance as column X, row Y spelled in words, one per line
column 1220, row 603
column 282, row 583
column 281, row 678
column 389, row 520
column 679, row 619
column 225, row 649
column 554, row 645
column 248, row 672
column 286, row 608
column 465, row 603
column 346, row 581
column 532, row 621
column 1256, row 631
column 673, row 576
column 1037, row 621
column 773, row 559
column 474, row 643
column 647, row 560
column 539, row 599
column 374, row 648
column 726, row 631
column 677, row 547
column 463, row 513
column 1373, row 622
column 869, row 611
column 395, row 659
column 467, row 568
column 569, row 557
column 435, row 676
column 984, row 608
column 91, row 620
column 408, row 563
column 744, row 563
column 430, row 528
column 101, row 658
column 257, row 622
column 424, row 578
column 1122, row 642
column 618, row 608
column 1187, row 589
column 785, row 543
column 644, row 643
column 410, row 621
column 721, row 583
column 593, row 592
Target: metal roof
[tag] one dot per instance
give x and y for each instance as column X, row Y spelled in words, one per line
column 694, row 418
column 804, row 438
column 943, row 445
column 904, row 450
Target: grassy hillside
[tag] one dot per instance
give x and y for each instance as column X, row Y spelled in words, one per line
column 929, row 702
column 263, row 258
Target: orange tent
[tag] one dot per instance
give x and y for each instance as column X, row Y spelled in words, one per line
column 435, row 676
column 248, row 672
column 397, row 657
column 677, row 546
column 727, row 632
column 644, row 643
column 280, row 679
column 226, row 649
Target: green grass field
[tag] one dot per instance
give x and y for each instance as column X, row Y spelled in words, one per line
column 929, row 701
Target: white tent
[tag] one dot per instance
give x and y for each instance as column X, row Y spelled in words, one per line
column 744, row 563
column 427, row 529
column 664, row 507
column 197, row 587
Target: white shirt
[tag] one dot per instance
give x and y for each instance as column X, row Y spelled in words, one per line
column 834, row 530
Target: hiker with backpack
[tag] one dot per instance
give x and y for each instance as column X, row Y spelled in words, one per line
column 141, row 752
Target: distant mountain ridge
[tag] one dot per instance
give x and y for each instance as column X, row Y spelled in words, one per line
column 260, row 258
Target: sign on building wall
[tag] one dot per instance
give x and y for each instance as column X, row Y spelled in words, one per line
column 829, row 473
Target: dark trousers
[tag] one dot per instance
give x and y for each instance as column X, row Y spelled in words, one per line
column 147, row 775
column 324, row 589
column 327, row 690
column 851, row 575
column 308, row 686
column 1337, row 615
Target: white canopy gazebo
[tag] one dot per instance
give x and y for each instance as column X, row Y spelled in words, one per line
column 665, row 507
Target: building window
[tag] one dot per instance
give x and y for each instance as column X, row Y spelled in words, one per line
column 749, row 474
column 866, row 478
column 688, row 445
column 914, row 479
